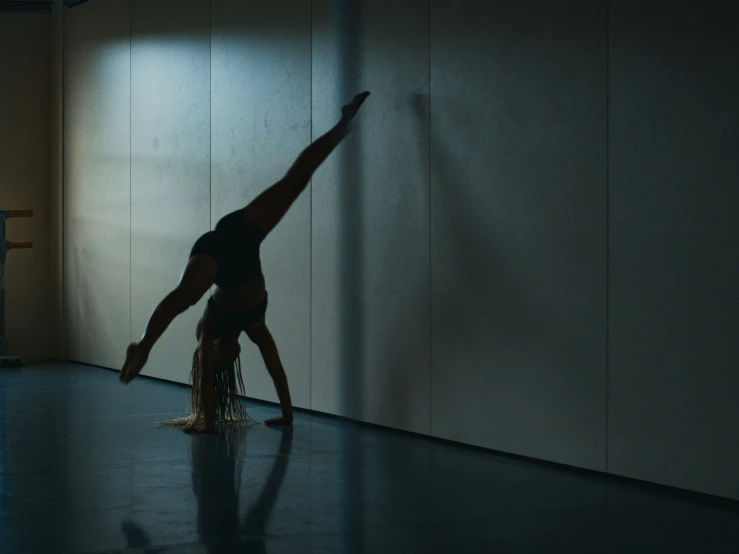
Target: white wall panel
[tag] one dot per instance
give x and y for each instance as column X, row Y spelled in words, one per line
column 673, row 242
column 261, row 122
column 518, row 196
column 170, row 165
column 370, row 320
column 97, row 182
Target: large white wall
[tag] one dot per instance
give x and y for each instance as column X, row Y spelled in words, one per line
column 25, row 62
column 525, row 244
column 518, row 234
column 97, row 182
column 674, row 233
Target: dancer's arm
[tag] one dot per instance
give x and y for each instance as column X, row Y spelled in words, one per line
column 261, row 336
column 283, row 394
column 207, row 386
column 196, row 280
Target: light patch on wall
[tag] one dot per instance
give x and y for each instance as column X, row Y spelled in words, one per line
column 175, row 41
column 261, row 35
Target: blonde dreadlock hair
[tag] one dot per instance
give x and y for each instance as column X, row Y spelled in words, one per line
column 230, row 406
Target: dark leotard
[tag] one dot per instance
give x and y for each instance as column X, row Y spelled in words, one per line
column 234, row 243
column 227, row 321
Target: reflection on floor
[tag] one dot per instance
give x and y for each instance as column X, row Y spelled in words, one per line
column 83, row 468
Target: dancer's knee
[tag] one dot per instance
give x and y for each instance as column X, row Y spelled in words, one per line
column 257, row 332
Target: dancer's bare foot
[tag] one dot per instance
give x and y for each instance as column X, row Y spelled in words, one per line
column 350, row 110
column 136, row 356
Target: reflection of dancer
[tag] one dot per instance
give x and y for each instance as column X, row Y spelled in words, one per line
column 137, row 538
column 228, row 258
column 216, row 482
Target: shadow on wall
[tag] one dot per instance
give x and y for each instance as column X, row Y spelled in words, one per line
column 351, row 307
column 507, row 313
column 351, row 310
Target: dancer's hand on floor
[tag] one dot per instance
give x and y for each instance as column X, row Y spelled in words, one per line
column 200, row 428
column 136, row 357
column 282, row 420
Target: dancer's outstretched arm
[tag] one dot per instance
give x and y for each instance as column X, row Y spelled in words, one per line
column 196, row 280
column 267, row 209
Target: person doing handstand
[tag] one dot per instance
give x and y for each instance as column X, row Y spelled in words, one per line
column 228, row 258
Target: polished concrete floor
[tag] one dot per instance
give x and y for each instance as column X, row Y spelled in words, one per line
column 84, row 468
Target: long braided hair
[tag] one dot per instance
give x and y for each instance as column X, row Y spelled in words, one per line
column 230, row 392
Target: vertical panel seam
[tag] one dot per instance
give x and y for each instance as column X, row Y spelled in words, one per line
column 63, row 348
column 430, row 328
column 210, row 114
column 608, row 223
column 130, row 170
column 310, row 231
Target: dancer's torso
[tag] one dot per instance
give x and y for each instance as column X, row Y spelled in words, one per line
column 235, row 244
column 247, row 295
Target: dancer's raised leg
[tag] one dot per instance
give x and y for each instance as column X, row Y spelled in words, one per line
column 267, row 209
